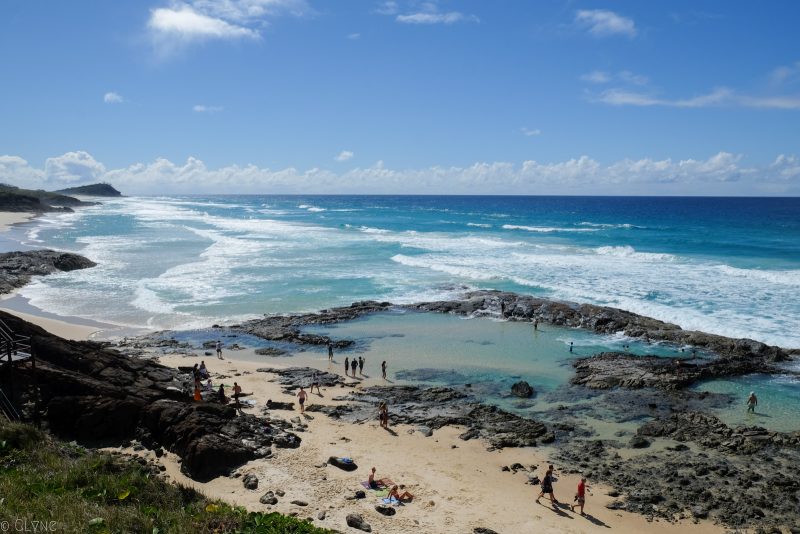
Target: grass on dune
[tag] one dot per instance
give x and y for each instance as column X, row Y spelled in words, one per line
column 62, row 487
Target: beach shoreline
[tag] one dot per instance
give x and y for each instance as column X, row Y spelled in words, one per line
column 457, row 485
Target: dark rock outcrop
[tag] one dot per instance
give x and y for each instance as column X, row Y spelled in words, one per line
column 94, row 190
column 17, row 268
column 287, row 327
column 437, row 407
column 101, row 397
column 522, row 389
column 356, row 521
column 614, row 369
column 601, row 319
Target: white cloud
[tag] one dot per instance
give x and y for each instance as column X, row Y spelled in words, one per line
column 426, row 12
column 530, row 133
column 718, row 97
column 624, row 76
column 596, row 76
column 175, row 27
column 604, row 23
column 436, row 18
column 786, row 74
column 73, row 167
column 387, row 8
column 245, row 11
column 354, row 36
column 186, row 24
column 344, row 155
column 202, row 108
column 113, row 98
column 722, row 173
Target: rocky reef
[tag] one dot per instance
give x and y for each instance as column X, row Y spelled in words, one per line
column 17, row 268
column 288, row 327
column 615, row 369
column 600, row 319
column 740, row 477
column 85, row 391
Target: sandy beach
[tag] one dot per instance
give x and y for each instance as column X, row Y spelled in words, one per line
column 10, row 218
column 458, row 485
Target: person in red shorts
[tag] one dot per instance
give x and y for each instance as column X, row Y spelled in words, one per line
column 580, row 496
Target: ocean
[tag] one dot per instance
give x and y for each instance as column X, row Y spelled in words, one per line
column 730, row 266
column 724, row 265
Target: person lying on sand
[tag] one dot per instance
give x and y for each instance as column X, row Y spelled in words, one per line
column 404, row 497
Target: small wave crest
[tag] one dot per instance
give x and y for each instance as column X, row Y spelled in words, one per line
column 546, row 229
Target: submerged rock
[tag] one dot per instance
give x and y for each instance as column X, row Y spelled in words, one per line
column 522, row 389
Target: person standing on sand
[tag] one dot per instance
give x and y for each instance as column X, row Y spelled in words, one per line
column 580, row 495
column 383, row 415
column 383, row 369
column 752, row 402
column 301, row 397
column 237, row 390
column 360, row 365
column 330, row 352
column 347, row 366
column 547, row 487
column 219, row 350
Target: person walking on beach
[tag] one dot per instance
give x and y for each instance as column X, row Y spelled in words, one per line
column 219, row 350
column 383, row 369
column 580, row 495
column 752, row 402
column 301, row 398
column 360, row 365
column 347, row 366
column 315, row 382
column 547, row 487
column 330, row 352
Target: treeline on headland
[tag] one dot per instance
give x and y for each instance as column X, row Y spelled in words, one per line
column 14, row 198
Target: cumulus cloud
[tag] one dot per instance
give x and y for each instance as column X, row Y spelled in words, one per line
column 113, row 98
column 604, row 23
column 722, row 173
column 423, row 13
column 781, row 79
column 180, row 24
column 344, row 155
column 78, row 166
column 202, row 108
column 718, row 97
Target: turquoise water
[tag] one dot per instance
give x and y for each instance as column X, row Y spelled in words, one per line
column 723, row 265
column 778, row 401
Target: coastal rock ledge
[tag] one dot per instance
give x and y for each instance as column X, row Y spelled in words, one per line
column 101, row 397
column 17, row 268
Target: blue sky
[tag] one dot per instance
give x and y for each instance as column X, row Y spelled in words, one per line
column 408, row 96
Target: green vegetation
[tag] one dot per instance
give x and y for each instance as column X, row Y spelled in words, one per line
column 95, row 190
column 45, row 480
